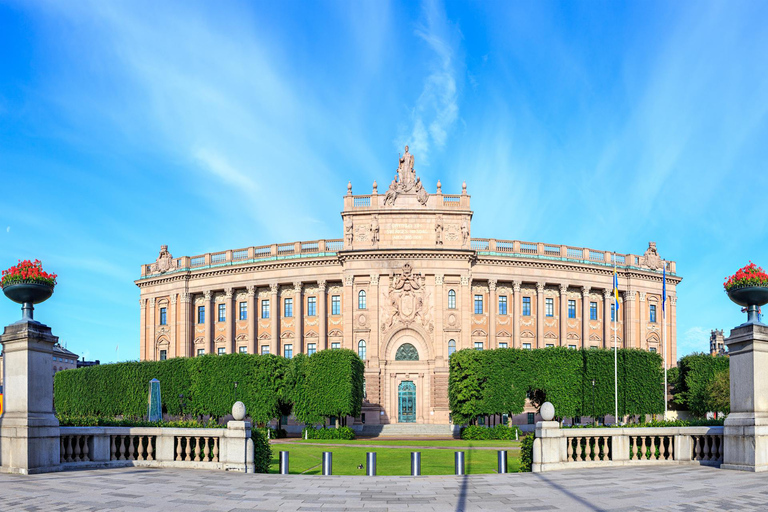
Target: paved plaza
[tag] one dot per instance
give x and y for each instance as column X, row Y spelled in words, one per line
column 673, row 488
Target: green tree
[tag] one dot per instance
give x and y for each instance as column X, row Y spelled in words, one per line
column 719, row 392
column 696, row 371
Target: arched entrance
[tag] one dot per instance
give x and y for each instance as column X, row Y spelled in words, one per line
column 406, row 402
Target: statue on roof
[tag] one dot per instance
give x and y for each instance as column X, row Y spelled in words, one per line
column 405, row 171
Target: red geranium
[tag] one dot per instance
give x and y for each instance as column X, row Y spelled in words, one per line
column 27, row 272
column 751, row 275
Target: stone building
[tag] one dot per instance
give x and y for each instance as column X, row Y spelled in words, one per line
column 716, row 343
column 405, row 287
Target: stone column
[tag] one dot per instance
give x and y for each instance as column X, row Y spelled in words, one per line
column 607, row 298
column 441, row 351
column 517, row 313
column 632, row 328
column 642, row 313
column 563, row 314
column 187, row 327
column 229, row 301
column 373, row 351
column 746, row 427
column 29, row 431
column 540, row 315
column 151, row 348
column 173, row 349
column 209, row 343
column 252, row 319
column 584, row 316
column 348, row 306
column 466, row 308
column 142, row 329
column 322, row 316
column 298, row 317
column 274, row 317
column 492, row 310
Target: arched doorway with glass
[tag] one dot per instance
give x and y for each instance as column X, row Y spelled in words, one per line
column 406, row 402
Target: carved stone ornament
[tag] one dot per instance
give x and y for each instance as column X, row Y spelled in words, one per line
column 651, row 257
column 375, row 230
column 375, row 279
column 407, row 301
column 439, row 279
column 164, row 262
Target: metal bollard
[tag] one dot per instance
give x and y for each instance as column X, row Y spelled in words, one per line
column 502, row 462
column 283, row 463
column 327, row 463
column 459, row 463
column 415, row 463
column 370, row 463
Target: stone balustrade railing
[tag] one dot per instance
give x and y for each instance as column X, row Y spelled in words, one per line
column 228, row 448
column 437, row 201
column 562, row 448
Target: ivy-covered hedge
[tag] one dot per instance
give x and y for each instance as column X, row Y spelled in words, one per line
column 262, row 453
column 695, row 375
column 96, row 421
column 478, row 433
column 526, row 453
column 486, row 382
column 328, row 433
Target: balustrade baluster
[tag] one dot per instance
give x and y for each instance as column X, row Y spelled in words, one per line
column 671, row 450
column 578, row 450
column 77, row 448
column 570, row 449
column 177, row 441
column 592, row 444
column 696, row 448
column 141, row 448
column 150, row 450
column 121, row 447
column 197, row 449
column 131, row 448
column 644, row 452
column 707, row 448
column 70, row 450
column 215, row 449
column 662, row 448
column 719, row 448
column 188, row 450
column 112, row 448
column 206, row 450
column 655, row 447
column 62, row 457
column 86, row 451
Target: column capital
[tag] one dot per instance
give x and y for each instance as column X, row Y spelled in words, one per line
column 585, row 291
column 349, row 280
column 228, row 292
column 186, row 297
column 375, row 279
column 321, row 285
column 273, row 288
column 673, row 299
column 207, row 294
column 540, row 287
column 492, row 284
column 173, row 299
column 439, row 279
column 297, row 286
column 152, row 301
column 143, row 303
column 629, row 295
column 251, row 289
column 516, row 286
column 607, row 294
column 642, row 296
column 563, row 288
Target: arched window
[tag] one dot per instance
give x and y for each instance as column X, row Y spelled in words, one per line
column 451, row 347
column 361, row 349
column 451, row 299
column 361, row 300
column 407, row 352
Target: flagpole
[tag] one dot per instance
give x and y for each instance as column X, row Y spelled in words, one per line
column 615, row 342
column 664, row 332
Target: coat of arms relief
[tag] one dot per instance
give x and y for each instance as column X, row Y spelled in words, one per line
column 407, row 301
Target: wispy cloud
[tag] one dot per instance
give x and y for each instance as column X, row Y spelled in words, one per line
column 437, row 108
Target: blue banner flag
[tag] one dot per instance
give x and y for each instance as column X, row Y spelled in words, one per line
column 664, row 288
column 616, row 291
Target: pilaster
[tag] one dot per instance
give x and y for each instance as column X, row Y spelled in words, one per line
column 492, row 310
column 298, row 302
column 252, row 319
column 151, row 347
column 540, row 315
column 229, row 301
column 466, row 309
column 186, row 326
column 208, row 322
column 563, row 314
column 348, row 305
column 322, row 316
column 142, row 329
column 607, row 297
column 584, row 316
column 274, row 318
column 517, row 312
column 373, row 300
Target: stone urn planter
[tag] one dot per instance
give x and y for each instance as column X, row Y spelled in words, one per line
column 28, row 294
column 750, row 297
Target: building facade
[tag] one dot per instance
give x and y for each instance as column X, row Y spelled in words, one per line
column 405, row 287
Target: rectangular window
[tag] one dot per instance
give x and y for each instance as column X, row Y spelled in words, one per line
column 265, row 308
column 288, row 351
column 243, row 350
column 652, row 349
column 478, row 304
column 201, row 351
column 571, row 309
column 288, row 308
column 593, row 310
column 653, row 313
column 335, row 345
column 526, row 346
column 264, row 349
column 311, row 348
column 163, row 355
column 503, row 344
column 549, row 345
column 613, row 312
column 311, row 306
column 243, row 311
column 593, row 347
column 550, row 307
column 526, row 306
column 163, row 316
column 531, row 418
column 221, row 351
column 478, row 345
column 222, row 312
column 573, row 347
column 502, row 304
column 336, row 304
column 201, row 314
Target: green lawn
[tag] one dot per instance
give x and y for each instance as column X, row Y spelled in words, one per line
column 390, row 461
column 456, row 443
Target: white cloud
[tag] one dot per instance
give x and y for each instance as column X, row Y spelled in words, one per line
column 695, row 339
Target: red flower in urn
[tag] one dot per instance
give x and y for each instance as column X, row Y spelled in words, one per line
column 748, row 287
column 27, row 272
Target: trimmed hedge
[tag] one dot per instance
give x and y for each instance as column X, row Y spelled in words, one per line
column 478, row 433
column 526, row 453
column 94, row 421
column 487, row 382
column 262, row 453
column 328, row 433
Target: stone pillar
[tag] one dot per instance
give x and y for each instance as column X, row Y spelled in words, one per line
column 746, row 427
column 274, row 317
column 322, row 316
column 151, row 353
column 492, row 310
column 29, row 431
column 672, row 338
column 441, row 352
column 517, row 313
column 584, row 316
column 142, row 329
column 236, row 450
column 373, row 351
column 540, row 315
column 298, row 319
column 548, row 447
column 642, row 314
column 563, row 315
column 252, row 319
column 208, row 342
column 186, row 326
column 229, row 301
column 173, row 321
column 466, row 308
column 607, row 297
column 348, row 306
column 633, row 331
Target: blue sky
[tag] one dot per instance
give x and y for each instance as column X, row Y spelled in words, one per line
column 216, row 125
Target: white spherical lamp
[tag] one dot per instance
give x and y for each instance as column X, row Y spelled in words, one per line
column 547, row 411
column 238, row 411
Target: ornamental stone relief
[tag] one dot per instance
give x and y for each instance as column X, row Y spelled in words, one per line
column 594, row 325
column 651, row 258
column 573, row 324
column 361, row 232
column 334, row 290
column 452, row 319
column 451, row 232
column 200, row 329
column 199, row 300
column 241, row 296
column 528, row 321
column 549, row 323
column 362, row 320
column 264, row 293
column 164, row 262
column 407, row 301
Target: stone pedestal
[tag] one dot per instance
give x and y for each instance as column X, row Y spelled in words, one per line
column 746, row 427
column 548, row 446
column 29, row 431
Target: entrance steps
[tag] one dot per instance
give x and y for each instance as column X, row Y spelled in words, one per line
column 407, row 430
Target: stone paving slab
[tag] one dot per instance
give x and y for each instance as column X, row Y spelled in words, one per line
column 674, row 489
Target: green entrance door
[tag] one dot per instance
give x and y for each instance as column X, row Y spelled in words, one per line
column 406, row 402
